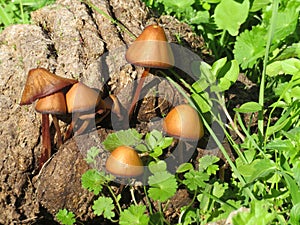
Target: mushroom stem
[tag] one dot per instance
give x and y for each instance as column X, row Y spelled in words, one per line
column 58, row 132
column 71, row 126
column 138, row 91
column 46, row 151
column 83, row 126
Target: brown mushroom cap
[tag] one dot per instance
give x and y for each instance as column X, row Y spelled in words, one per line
column 124, row 162
column 40, row 83
column 81, row 98
column 151, row 49
column 52, row 104
column 183, row 121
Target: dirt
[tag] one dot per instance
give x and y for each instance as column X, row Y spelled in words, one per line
column 73, row 40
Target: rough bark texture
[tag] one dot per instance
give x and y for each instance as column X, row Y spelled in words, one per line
column 75, row 41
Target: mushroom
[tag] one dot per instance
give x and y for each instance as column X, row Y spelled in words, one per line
column 149, row 50
column 183, row 121
column 52, row 104
column 39, row 84
column 84, row 102
column 124, row 162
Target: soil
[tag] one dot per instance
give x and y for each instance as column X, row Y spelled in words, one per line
column 73, row 40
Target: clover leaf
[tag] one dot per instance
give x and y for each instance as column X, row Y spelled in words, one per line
column 135, row 214
column 104, row 206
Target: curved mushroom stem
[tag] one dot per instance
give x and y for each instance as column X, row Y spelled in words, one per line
column 113, row 104
column 83, row 126
column 71, row 126
column 138, row 91
column 46, row 151
column 58, row 132
column 87, row 121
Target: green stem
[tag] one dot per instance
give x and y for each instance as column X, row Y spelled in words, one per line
column 224, row 152
column 265, row 62
column 253, row 142
column 148, row 201
column 22, row 12
column 188, row 206
column 115, row 198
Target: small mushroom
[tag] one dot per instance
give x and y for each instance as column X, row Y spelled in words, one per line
column 54, row 104
column 149, row 50
column 84, row 102
column 183, row 121
column 124, row 162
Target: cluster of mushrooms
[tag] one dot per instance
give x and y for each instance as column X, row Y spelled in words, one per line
column 60, row 96
column 56, row 95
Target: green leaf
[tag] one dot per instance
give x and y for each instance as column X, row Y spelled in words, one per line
column 156, row 167
column 258, row 168
column 155, row 139
column 250, row 46
column 293, row 188
column 288, row 66
column 295, row 214
column 203, row 101
column 104, row 206
column 218, row 65
column 219, row 189
column 229, row 76
column 259, row 214
column 178, row 5
column 296, row 172
column 259, row 4
column 65, row 217
column 135, row 214
column 230, row 15
column 184, row 167
column 156, row 152
column 195, row 179
column 249, row 107
column 92, row 154
column 286, row 21
column 292, row 51
column 163, row 186
column 207, row 163
column 280, row 145
column 93, row 180
column 128, row 137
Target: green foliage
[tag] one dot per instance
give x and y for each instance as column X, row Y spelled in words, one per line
column 93, row 180
column 128, row 137
column 260, row 213
column 104, row 206
column 162, row 184
column 14, row 12
column 135, row 214
column 229, row 15
column 91, row 155
column 65, row 217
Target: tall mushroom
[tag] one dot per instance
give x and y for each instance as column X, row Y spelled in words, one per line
column 83, row 102
column 149, row 50
column 54, row 104
column 41, row 83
